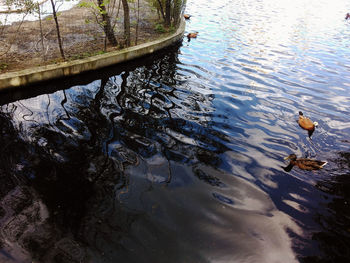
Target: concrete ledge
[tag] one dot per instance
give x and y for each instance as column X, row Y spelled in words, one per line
column 44, row 73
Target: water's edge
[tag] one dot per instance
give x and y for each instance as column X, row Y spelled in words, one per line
column 34, row 75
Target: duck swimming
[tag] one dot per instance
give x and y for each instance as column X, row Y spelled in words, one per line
column 191, row 35
column 303, row 163
column 307, row 124
column 187, row 16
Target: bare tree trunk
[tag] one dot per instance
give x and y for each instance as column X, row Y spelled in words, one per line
column 167, row 13
column 118, row 8
column 126, row 22
column 107, row 28
column 116, row 16
column 161, row 9
column 41, row 33
column 57, row 29
column 137, row 21
column 177, row 11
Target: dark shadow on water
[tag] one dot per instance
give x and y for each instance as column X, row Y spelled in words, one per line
column 48, row 87
column 333, row 238
column 58, row 187
column 323, row 212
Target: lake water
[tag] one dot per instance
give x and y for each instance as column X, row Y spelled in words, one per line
column 178, row 157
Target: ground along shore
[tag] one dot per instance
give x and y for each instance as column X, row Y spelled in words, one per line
column 21, row 46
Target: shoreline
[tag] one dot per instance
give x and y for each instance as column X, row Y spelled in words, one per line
column 25, row 44
column 38, row 74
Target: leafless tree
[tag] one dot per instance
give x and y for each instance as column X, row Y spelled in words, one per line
column 126, row 22
column 59, row 39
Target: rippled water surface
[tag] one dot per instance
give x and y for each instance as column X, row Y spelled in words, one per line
column 179, row 158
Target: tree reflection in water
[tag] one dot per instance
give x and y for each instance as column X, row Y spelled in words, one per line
column 63, row 165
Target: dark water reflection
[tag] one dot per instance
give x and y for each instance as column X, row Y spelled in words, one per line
column 178, row 158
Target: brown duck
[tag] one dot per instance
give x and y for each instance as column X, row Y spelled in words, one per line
column 303, row 163
column 306, row 124
column 192, row 35
column 187, row 16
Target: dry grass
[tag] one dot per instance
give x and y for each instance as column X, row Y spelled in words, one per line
column 21, row 47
